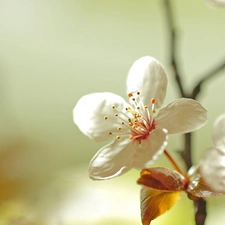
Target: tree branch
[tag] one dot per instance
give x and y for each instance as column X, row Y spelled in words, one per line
column 173, row 45
column 186, row 153
column 200, row 204
column 200, row 211
column 196, row 90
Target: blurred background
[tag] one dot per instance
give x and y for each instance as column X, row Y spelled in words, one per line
column 52, row 52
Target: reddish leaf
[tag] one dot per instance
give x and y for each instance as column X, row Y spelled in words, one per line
column 155, row 202
column 161, row 178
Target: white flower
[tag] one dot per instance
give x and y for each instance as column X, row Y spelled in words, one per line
column 216, row 2
column 140, row 135
column 212, row 163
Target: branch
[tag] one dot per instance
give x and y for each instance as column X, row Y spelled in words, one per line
column 186, row 153
column 196, row 90
column 200, row 211
column 173, row 59
column 173, row 41
column 200, row 204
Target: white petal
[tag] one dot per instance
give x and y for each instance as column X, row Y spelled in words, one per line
column 181, row 116
column 148, row 77
column 90, row 110
column 212, row 169
column 219, row 132
column 216, row 2
column 112, row 160
column 150, row 149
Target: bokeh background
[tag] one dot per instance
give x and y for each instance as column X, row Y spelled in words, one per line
column 54, row 51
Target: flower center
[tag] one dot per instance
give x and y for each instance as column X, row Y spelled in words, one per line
column 135, row 122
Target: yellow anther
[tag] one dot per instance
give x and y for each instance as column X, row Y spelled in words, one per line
column 130, row 124
column 105, row 117
column 110, row 133
column 119, row 128
column 138, row 93
column 152, row 100
column 146, row 106
column 153, row 111
column 122, row 122
column 138, row 107
column 131, row 137
column 133, row 99
column 113, row 106
column 131, row 111
column 116, row 114
column 130, row 95
column 118, row 137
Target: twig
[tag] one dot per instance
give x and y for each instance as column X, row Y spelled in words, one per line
column 206, row 77
column 200, row 204
column 173, row 163
column 200, row 213
column 186, row 153
column 173, row 40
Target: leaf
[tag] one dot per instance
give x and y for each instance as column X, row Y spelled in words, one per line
column 160, row 192
column 161, row 178
column 199, row 189
column 155, row 203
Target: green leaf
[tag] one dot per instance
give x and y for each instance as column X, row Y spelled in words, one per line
column 155, row 203
column 161, row 178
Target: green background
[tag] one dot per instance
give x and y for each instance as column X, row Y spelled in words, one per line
column 52, row 52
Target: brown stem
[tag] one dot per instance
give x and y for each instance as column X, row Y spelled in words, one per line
column 173, row 162
column 200, row 211
column 173, row 45
column 200, row 204
column 214, row 71
column 186, row 154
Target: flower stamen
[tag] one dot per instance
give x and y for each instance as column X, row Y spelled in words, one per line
column 137, row 121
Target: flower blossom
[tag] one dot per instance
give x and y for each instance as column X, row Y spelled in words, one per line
column 212, row 163
column 139, row 133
